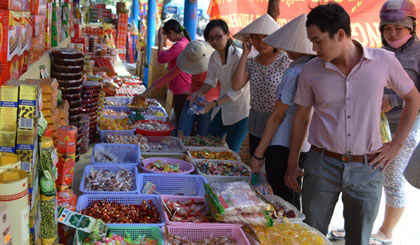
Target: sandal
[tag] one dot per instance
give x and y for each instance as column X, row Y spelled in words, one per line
column 337, row 234
column 379, row 239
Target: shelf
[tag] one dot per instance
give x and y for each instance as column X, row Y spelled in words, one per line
column 33, row 70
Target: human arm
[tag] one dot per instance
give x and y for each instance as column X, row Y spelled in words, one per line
column 240, row 76
column 161, row 39
column 390, row 150
column 270, row 130
column 299, row 131
column 210, row 105
column 175, row 71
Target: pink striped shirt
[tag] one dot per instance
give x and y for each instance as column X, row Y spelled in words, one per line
column 347, row 109
column 181, row 83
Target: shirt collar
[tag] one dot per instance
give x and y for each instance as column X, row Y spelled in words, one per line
column 367, row 54
column 230, row 52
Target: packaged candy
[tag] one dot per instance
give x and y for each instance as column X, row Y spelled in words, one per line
column 196, row 106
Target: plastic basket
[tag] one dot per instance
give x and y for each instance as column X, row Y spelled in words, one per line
column 300, row 217
column 152, row 232
column 181, row 156
column 171, row 139
column 132, row 169
column 213, row 149
column 117, row 108
column 159, row 118
column 86, row 199
column 104, row 133
column 184, row 166
column 123, row 100
column 179, row 184
column 221, row 178
column 155, row 133
column 128, row 153
column 205, row 231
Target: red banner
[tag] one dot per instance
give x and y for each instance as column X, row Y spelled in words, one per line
column 364, row 14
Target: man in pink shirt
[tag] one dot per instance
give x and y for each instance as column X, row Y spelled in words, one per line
column 344, row 86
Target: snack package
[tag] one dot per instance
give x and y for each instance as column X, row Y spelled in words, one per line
column 196, row 106
column 260, row 184
column 47, row 166
column 48, row 219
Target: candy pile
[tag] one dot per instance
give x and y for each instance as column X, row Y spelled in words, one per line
column 108, row 180
column 216, row 155
column 110, row 112
column 153, row 126
column 287, row 233
column 222, row 168
column 176, row 240
column 113, row 212
column 208, row 141
column 166, row 144
column 155, row 111
column 113, row 239
column 282, row 210
column 103, row 156
column 106, row 123
column 192, row 210
column 115, row 103
column 139, row 103
column 137, row 139
column 165, row 167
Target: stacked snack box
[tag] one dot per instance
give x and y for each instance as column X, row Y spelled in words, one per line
column 10, row 28
column 39, row 12
column 122, row 35
column 8, row 114
column 66, row 148
column 26, row 39
column 48, row 26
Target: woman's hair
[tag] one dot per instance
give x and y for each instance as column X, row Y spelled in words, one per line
column 173, row 25
column 223, row 25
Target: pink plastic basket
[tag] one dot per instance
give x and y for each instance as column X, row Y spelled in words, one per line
column 164, row 198
column 184, row 166
column 205, row 231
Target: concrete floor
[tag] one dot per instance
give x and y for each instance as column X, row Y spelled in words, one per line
column 406, row 233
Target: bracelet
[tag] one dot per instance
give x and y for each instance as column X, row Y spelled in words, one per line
column 215, row 101
column 262, row 158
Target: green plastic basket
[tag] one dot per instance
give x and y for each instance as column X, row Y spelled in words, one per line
column 152, row 232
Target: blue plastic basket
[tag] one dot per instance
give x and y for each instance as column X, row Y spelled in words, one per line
column 128, row 153
column 131, row 168
column 117, row 108
column 177, row 184
column 86, row 199
column 159, row 118
column 152, row 232
column 104, row 133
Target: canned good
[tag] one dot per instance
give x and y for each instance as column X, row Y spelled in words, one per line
column 14, row 194
column 9, row 160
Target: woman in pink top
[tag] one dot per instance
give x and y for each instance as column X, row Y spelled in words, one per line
column 181, row 83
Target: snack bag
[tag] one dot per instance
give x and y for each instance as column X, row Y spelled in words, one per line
column 384, row 129
column 260, row 184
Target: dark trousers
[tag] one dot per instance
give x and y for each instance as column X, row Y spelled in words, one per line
column 275, row 167
column 178, row 103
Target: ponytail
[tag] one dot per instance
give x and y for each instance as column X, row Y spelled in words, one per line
column 186, row 33
column 173, row 25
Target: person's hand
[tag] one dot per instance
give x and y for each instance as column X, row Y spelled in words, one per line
column 194, row 96
column 290, row 179
column 385, row 155
column 246, row 46
column 208, row 106
column 139, row 97
column 386, row 104
column 256, row 165
column 161, row 36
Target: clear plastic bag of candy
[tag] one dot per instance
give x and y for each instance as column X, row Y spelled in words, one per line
column 196, row 106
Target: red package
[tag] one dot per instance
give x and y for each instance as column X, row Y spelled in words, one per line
column 39, row 7
column 66, row 157
column 10, row 50
column 67, row 136
column 11, row 4
column 67, row 199
column 65, row 174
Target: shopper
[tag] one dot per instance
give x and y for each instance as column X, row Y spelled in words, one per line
column 264, row 73
column 398, row 31
column 194, row 60
column 345, row 90
column 412, row 172
column 231, row 109
column 179, row 85
column 275, row 141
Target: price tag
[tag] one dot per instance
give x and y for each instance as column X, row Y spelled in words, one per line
column 149, row 188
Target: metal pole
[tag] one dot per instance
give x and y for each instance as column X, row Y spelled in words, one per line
column 151, row 29
column 190, row 17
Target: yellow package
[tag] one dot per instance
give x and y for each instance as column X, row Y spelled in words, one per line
column 8, row 141
column 8, row 109
column 25, row 136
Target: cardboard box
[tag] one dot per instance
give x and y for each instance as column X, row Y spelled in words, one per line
column 5, row 236
column 26, row 39
column 9, row 106
column 11, row 4
column 28, row 155
column 28, row 105
column 39, row 7
column 10, row 28
column 8, row 141
column 48, row 25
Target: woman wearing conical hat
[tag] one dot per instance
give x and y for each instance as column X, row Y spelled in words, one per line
column 263, row 73
column 278, row 128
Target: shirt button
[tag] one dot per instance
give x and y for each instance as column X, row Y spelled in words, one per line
column 348, row 116
column 349, row 135
column 348, row 152
column 348, row 98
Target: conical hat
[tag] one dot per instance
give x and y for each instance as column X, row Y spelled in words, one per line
column 194, row 59
column 265, row 25
column 292, row 37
